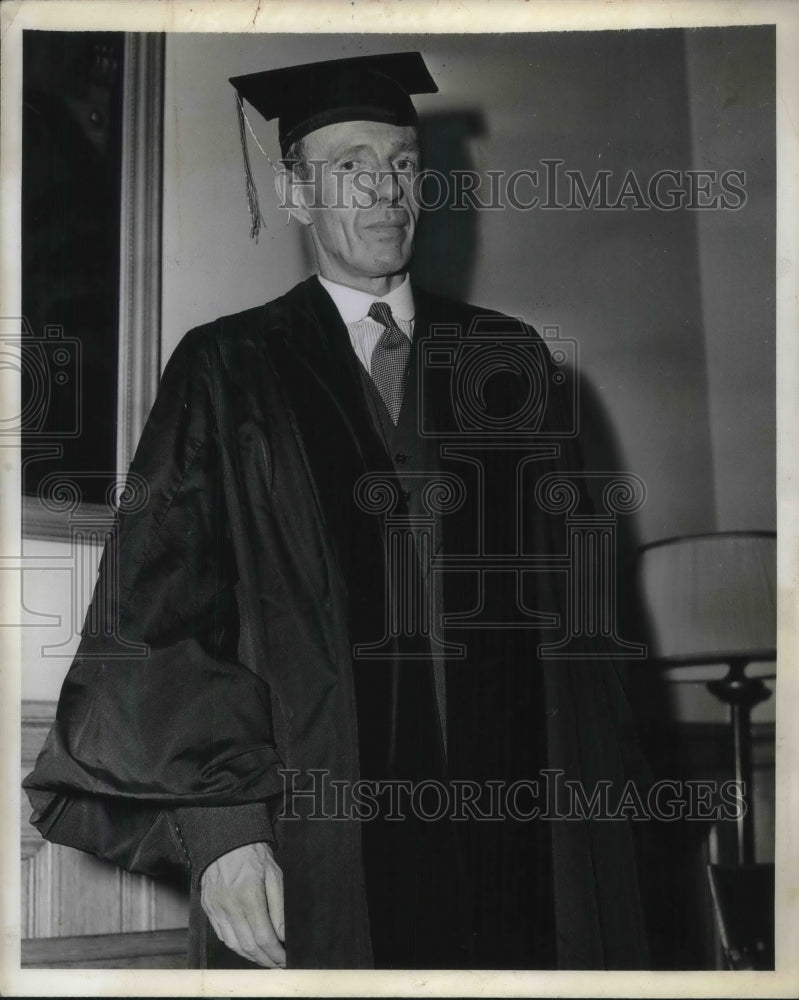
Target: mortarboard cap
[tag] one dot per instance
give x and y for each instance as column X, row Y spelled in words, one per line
column 365, row 88
column 305, row 98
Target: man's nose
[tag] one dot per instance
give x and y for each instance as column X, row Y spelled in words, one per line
column 387, row 185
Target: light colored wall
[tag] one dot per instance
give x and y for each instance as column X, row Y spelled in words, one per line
column 732, row 125
column 731, row 100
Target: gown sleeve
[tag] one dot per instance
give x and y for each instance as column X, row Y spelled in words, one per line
column 163, row 751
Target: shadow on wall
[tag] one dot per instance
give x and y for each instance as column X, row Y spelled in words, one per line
column 650, row 694
column 669, row 854
column 446, row 255
column 446, row 245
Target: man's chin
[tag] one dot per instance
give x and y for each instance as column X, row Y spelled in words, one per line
column 382, row 240
column 387, row 261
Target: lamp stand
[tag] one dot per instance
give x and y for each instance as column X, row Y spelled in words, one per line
column 742, row 693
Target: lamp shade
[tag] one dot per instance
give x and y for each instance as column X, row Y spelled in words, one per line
column 711, row 598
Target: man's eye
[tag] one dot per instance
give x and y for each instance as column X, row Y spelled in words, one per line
column 348, row 165
column 406, row 164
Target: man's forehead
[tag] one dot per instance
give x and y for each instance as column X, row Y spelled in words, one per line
column 332, row 140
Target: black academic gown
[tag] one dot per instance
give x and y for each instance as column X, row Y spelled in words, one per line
column 220, row 655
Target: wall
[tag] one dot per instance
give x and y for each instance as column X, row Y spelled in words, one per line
column 732, row 124
column 731, row 105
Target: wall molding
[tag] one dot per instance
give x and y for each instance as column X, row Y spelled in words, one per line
column 167, row 949
column 140, row 238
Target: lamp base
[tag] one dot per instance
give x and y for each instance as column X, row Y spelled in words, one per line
column 742, row 693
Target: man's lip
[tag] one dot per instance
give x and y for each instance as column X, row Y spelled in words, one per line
column 386, row 227
column 400, row 222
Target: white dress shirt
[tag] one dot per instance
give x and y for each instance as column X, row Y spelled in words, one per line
column 353, row 306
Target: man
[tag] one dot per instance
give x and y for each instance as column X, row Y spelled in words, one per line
column 304, row 463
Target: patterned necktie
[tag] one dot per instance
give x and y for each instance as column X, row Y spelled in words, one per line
column 389, row 359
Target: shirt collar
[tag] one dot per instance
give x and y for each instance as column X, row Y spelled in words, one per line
column 353, row 305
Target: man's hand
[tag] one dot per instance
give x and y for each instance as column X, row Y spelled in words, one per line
column 242, row 894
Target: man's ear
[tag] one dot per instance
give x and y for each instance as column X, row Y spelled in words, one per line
column 290, row 196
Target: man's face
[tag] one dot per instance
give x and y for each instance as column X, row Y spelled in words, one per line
column 360, row 209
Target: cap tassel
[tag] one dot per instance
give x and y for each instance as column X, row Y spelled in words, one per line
column 256, row 219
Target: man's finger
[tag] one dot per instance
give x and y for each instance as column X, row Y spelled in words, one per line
column 249, row 946
column 233, row 918
column 236, row 933
column 273, row 883
column 224, row 931
column 263, row 930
